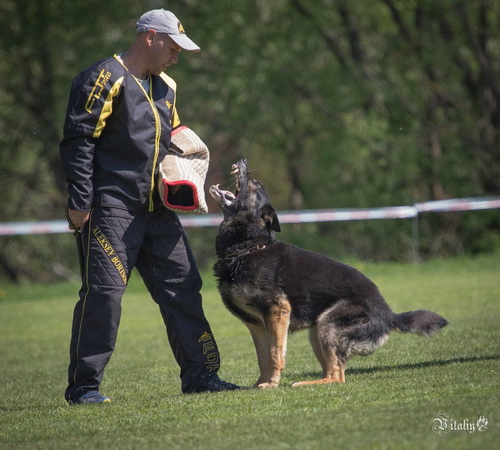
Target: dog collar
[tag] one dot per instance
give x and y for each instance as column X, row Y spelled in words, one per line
column 245, row 251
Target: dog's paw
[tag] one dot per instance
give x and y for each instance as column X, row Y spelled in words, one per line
column 322, row 381
column 266, row 385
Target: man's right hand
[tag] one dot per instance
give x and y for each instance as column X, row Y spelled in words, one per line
column 77, row 219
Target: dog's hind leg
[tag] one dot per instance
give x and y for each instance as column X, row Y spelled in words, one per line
column 332, row 362
column 330, row 347
column 313, row 339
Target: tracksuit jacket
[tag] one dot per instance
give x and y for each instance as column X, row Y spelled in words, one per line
column 114, row 138
column 115, row 135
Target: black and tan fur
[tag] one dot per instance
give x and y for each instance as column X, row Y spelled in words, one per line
column 275, row 288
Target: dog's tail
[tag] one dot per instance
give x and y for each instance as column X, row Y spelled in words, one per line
column 422, row 322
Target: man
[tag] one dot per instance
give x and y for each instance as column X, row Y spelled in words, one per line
column 120, row 116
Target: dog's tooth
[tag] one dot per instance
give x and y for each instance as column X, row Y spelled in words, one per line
column 235, row 169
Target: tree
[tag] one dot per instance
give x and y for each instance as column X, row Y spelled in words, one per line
column 44, row 44
column 432, row 71
column 334, row 103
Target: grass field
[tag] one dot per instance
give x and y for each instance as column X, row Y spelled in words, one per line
column 390, row 400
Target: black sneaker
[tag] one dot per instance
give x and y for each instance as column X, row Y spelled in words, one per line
column 90, row 397
column 212, row 383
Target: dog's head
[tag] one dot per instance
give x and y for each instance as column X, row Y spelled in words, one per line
column 248, row 213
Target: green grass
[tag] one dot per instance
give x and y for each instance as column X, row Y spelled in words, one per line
column 390, row 399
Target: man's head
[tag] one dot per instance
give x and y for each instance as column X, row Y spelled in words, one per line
column 166, row 23
column 160, row 38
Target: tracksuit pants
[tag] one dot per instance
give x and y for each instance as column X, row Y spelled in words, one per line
column 114, row 242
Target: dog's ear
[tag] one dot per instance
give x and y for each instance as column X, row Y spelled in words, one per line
column 271, row 218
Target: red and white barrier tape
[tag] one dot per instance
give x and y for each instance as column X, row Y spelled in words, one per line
column 299, row 216
column 459, row 204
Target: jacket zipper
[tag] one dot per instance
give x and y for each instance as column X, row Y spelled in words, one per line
column 157, row 140
column 157, row 151
column 157, row 131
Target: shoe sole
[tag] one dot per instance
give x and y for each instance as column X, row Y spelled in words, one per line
column 108, row 400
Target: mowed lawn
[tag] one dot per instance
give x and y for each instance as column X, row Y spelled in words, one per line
column 391, row 399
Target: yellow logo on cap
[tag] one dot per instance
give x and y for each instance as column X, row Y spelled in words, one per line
column 180, row 27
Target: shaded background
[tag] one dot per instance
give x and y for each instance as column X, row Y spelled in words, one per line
column 335, row 104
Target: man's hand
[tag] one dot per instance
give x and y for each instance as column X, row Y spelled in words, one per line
column 77, row 219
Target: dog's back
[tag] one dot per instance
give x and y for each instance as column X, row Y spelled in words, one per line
column 314, row 282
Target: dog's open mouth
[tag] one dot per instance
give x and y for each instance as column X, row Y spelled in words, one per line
column 227, row 198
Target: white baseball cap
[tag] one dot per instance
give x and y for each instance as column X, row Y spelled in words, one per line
column 163, row 21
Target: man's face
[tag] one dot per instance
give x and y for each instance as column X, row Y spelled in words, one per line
column 164, row 52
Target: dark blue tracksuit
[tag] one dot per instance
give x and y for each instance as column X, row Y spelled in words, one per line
column 115, row 135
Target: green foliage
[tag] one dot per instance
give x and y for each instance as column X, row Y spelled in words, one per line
column 334, row 103
column 390, row 398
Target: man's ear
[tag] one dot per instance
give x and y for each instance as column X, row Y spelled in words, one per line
column 271, row 218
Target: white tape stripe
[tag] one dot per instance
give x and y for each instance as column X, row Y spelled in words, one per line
column 300, row 216
column 335, row 215
column 459, row 204
column 49, row 227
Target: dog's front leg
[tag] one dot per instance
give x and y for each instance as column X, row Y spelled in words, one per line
column 277, row 322
column 260, row 340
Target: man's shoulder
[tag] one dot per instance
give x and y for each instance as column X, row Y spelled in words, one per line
column 109, row 68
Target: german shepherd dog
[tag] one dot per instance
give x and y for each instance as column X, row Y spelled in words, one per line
column 274, row 288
